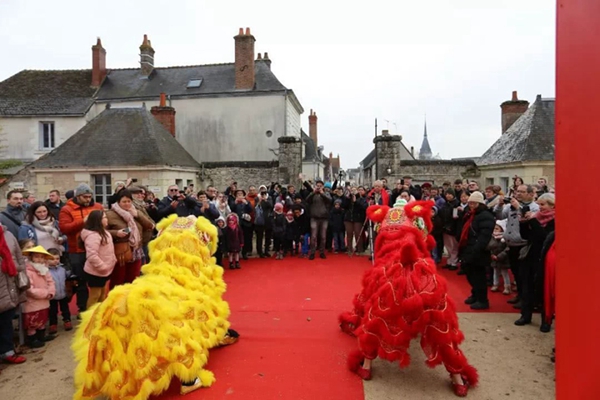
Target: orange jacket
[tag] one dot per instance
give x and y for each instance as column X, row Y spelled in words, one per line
column 70, row 222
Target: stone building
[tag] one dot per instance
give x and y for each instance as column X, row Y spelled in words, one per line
column 123, row 143
column 526, row 146
column 385, row 158
column 234, row 111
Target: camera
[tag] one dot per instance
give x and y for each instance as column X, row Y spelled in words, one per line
column 525, row 210
column 507, row 200
column 134, row 180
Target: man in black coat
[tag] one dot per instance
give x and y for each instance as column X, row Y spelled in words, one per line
column 474, row 239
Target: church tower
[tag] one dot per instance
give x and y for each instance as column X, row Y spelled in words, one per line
column 425, row 152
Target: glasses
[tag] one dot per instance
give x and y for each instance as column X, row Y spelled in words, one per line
column 173, row 190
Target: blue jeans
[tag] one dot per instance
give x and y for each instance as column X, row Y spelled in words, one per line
column 339, row 241
column 305, row 244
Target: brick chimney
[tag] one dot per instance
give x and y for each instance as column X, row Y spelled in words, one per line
column 244, row 60
column 312, row 127
column 98, row 64
column 146, row 57
column 512, row 110
column 164, row 114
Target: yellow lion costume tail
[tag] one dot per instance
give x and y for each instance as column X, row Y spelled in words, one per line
column 162, row 325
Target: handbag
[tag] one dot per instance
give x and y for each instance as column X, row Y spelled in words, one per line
column 123, row 253
column 23, row 282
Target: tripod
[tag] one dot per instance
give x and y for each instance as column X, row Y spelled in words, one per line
column 371, row 242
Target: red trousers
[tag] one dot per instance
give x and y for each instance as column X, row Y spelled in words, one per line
column 126, row 273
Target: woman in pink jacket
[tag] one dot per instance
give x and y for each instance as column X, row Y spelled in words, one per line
column 100, row 255
column 36, row 308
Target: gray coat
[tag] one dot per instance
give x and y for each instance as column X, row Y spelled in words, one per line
column 512, row 234
column 319, row 205
column 17, row 214
column 10, row 296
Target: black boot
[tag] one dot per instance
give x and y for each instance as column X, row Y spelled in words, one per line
column 33, row 342
column 41, row 335
column 237, row 265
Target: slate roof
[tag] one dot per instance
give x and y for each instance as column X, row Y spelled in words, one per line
column 119, row 137
column 369, row 160
column 311, row 152
column 31, row 92
column 216, row 79
column 530, row 138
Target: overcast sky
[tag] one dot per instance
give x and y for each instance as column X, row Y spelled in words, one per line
column 352, row 62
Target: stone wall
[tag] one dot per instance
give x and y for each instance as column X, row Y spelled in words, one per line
column 438, row 171
column 388, row 149
column 290, row 158
column 245, row 173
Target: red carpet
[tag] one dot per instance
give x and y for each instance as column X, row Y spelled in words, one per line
column 291, row 346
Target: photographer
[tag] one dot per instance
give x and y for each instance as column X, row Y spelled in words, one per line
column 204, row 208
column 169, row 204
column 318, row 202
column 263, row 225
column 230, row 193
column 242, row 207
column 119, row 185
column 513, row 209
column 354, row 219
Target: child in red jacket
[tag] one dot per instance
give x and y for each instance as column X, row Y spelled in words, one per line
column 36, row 308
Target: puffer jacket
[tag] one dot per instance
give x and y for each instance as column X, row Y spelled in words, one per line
column 319, row 205
column 10, row 296
column 42, row 287
column 100, row 259
column 480, row 233
column 70, row 222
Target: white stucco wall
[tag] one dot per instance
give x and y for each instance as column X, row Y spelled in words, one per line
column 312, row 170
column 229, row 128
column 504, row 173
column 21, row 136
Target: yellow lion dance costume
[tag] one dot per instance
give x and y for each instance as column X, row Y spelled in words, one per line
column 161, row 326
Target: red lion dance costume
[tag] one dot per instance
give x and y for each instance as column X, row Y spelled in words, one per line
column 403, row 297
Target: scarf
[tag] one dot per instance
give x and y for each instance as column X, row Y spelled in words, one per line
column 135, row 239
column 464, row 235
column 46, row 225
column 42, row 269
column 545, row 216
column 8, row 264
column 498, row 236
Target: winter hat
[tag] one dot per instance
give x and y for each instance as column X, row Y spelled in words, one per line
column 502, row 224
column 83, row 189
column 261, row 187
column 297, row 196
column 400, row 203
column 450, row 191
column 232, row 216
column 328, row 185
column 337, row 201
column 220, row 219
column 278, row 207
column 476, row 197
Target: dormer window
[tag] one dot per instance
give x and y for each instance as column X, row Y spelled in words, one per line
column 194, row 83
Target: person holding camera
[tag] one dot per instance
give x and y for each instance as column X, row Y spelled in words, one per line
column 203, row 207
column 168, row 205
column 319, row 202
column 126, row 225
column 243, row 208
column 512, row 209
column 263, row 221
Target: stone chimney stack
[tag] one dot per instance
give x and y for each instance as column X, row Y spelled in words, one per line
column 312, row 127
column 267, row 60
column 512, row 110
column 164, row 114
column 98, row 64
column 244, row 60
column 146, row 57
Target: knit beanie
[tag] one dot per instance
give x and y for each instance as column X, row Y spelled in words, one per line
column 337, row 201
column 476, row 197
column 278, row 207
column 83, row 189
column 400, row 203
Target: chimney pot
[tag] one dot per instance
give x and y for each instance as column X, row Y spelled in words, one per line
column 312, row 127
column 241, row 31
column 164, row 114
column 244, row 61
column 259, row 57
column 385, row 132
column 146, row 57
column 98, row 64
column 512, row 111
column 330, row 155
column 266, row 55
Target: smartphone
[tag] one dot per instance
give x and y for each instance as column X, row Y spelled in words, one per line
column 525, row 210
column 455, row 213
column 127, row 230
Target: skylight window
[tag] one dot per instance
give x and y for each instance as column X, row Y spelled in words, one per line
column 194, row 83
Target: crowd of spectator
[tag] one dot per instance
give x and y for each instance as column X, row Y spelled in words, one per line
column 77, row 247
